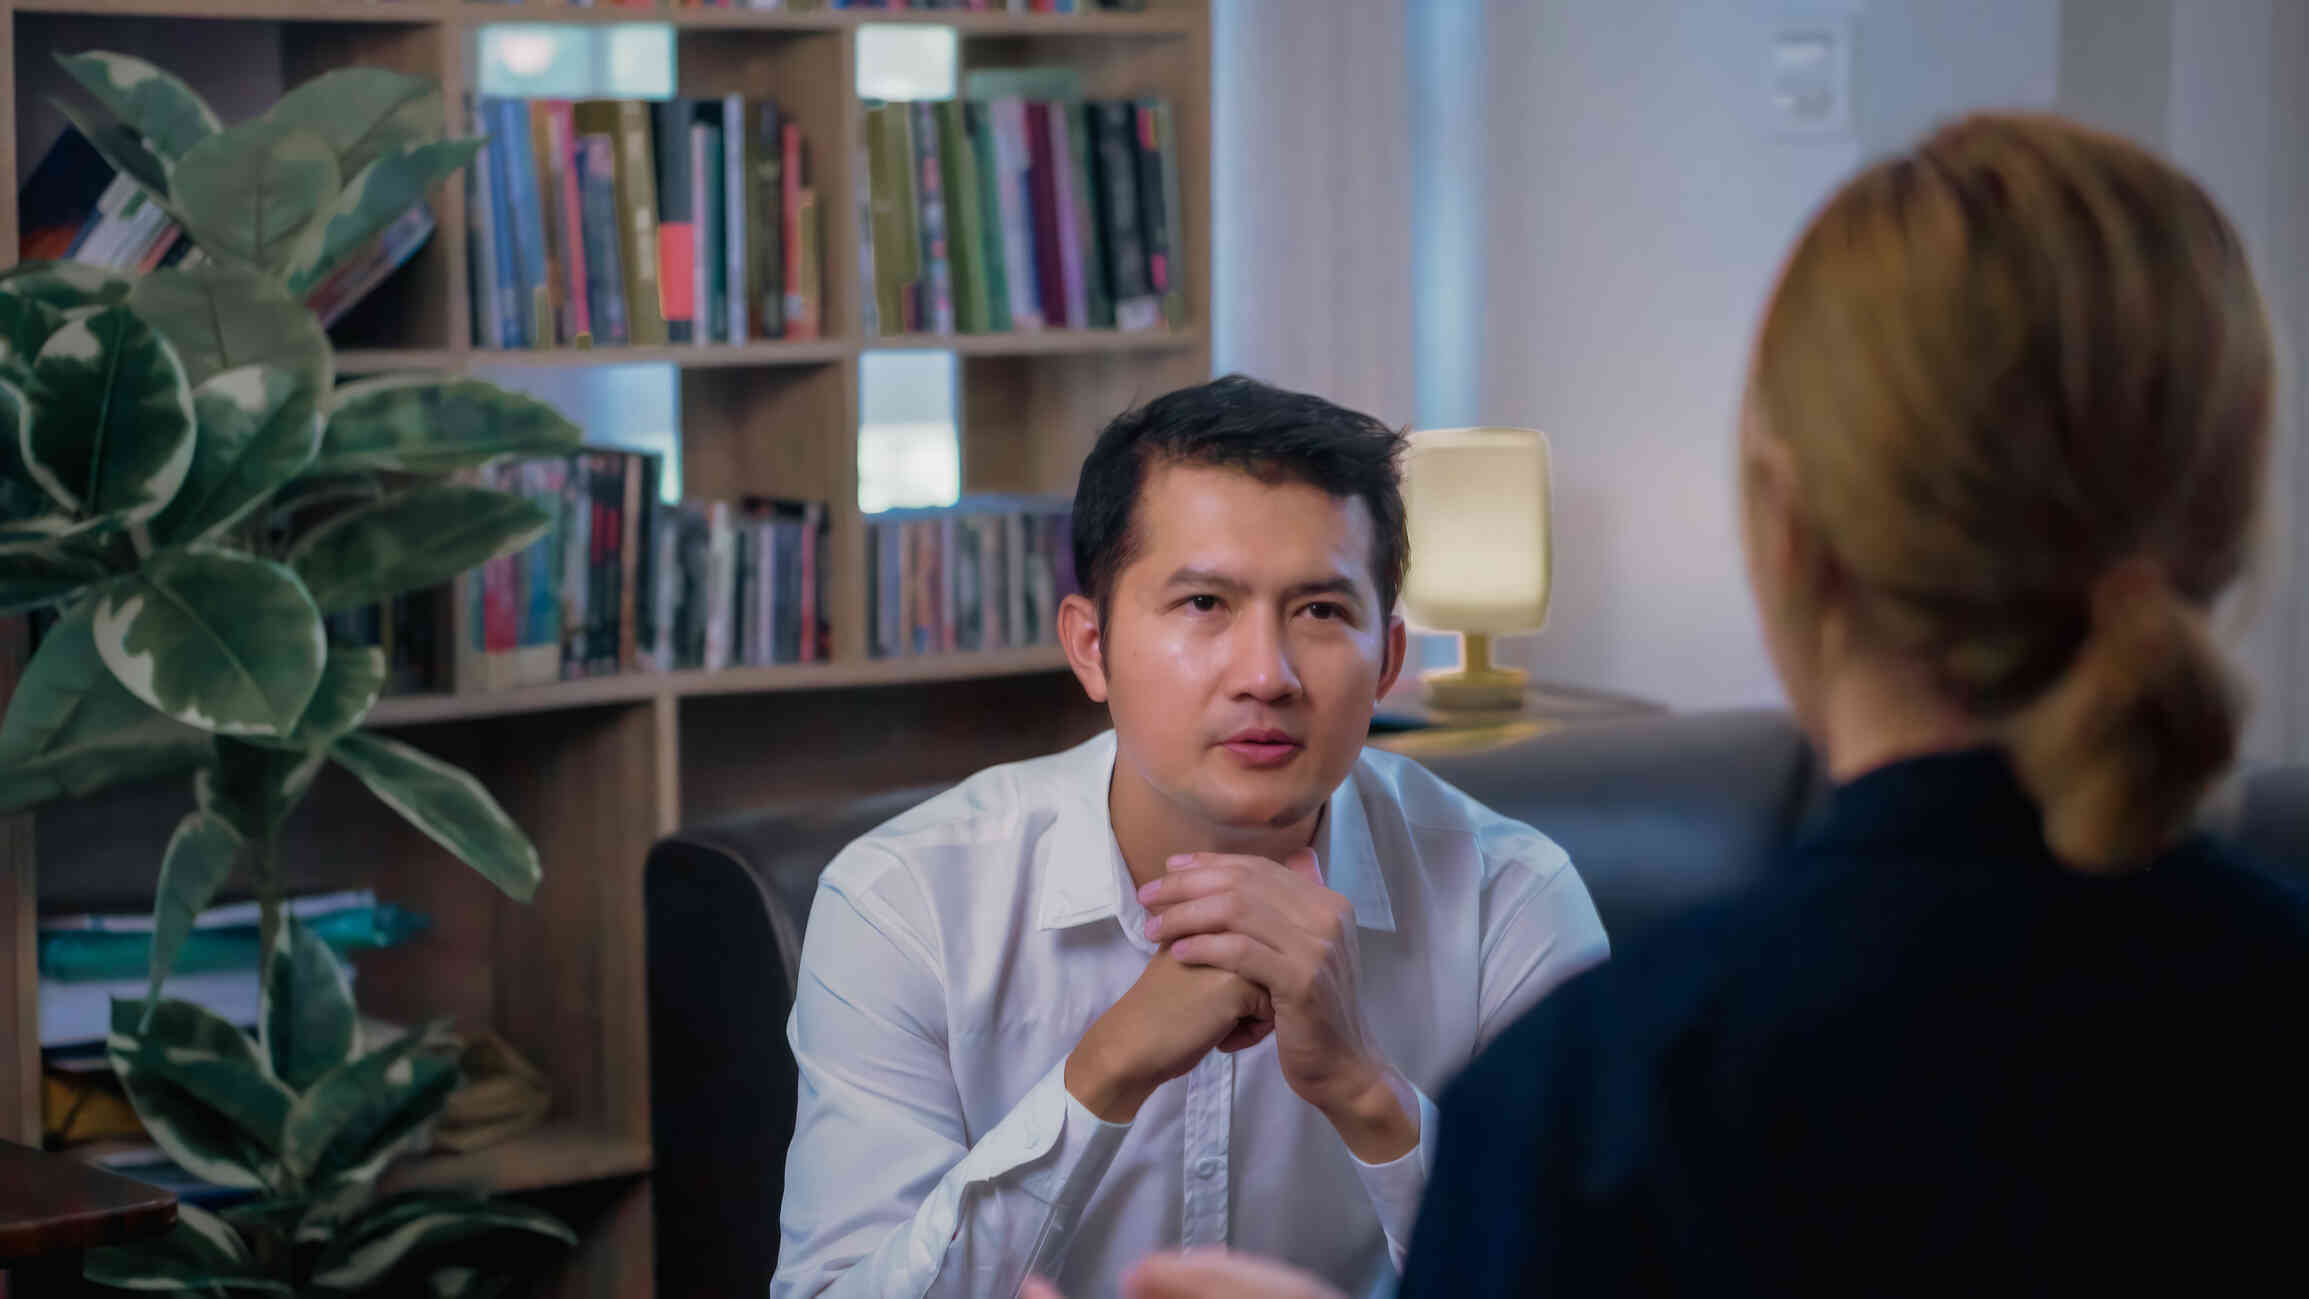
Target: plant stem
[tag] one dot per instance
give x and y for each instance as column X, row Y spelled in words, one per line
column 268, row 882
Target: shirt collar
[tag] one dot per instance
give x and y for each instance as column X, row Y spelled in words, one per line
column 1938, row 804
column 1084, row 878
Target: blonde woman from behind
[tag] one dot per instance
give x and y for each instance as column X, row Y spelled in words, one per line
column 2001, row 1021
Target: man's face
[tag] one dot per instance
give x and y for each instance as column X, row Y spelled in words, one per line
column 1244, row 647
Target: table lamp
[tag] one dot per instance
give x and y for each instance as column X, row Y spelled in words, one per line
column 1475, row 502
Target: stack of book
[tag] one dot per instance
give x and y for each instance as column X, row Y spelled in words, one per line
column 985, row 574
column 75, row 207
column 622, row 582
column 1005, row 212
column 637, row 222
column 87, row 960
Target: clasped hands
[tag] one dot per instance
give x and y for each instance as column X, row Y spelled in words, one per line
column 1249, row 947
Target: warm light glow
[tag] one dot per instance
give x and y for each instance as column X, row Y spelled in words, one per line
column 527, row 54
column 1476, row 502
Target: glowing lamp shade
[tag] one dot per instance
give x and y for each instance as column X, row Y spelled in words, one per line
column 1475, row 501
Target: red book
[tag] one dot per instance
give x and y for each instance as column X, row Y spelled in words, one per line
column 1042, row 181
column 801, row 312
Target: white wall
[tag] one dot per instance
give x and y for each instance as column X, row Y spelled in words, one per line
column 1637, row 204
column 1309, row 175
column 1588, row 221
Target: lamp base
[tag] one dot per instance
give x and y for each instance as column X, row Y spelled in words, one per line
column 1474, row 690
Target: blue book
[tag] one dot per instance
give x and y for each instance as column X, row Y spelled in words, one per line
column 505, row 247
column 533, row 301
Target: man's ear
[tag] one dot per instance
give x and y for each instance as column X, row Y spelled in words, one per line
column 1085, row 649
column 1398, row 645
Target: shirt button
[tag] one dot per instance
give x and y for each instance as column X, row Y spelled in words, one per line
column 1207, row 1167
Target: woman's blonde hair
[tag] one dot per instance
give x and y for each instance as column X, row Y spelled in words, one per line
column 2025, row 378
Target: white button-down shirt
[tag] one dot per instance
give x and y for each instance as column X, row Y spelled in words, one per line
column 956, row 955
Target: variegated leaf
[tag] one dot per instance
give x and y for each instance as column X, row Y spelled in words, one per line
column 259, row 426
column 72, row 728
column 52, row 532
column 201, row 1254
column 124, row 149
column 364, row 113
column 355, row 1119
column 167, row 112
column 200, row 855
column 419, row 538
column 113, row 434
column 307, row 1023
column 67, row 286
column 257, row 194
column 255, row 786
column 25, row 324
column 222, row 318
column 226, row 642
column 448, row 805
column 33, row 576
column 375, row 199
column 314, row 490
column 351, row 680
column 419, row 1234
column 200, row 1089
column 430, row 425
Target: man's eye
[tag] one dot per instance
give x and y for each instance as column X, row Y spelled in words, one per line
column 1326, row 609
column 1203, row 603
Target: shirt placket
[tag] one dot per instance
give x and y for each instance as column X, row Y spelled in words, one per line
column 1210, row 1111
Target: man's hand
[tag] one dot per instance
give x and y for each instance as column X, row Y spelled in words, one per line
column 1277, row 925
column 1205, row 1274
column 1169, row 1020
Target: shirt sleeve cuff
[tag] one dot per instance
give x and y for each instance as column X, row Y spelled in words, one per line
column 1062, row 1149
column 1396, row 1186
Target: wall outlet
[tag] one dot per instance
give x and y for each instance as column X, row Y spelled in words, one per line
column 1810, row 82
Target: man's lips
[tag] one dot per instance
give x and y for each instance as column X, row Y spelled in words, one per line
column 1263, row 747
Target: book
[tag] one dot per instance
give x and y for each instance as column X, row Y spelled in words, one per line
column 766, row 220
column 676, row 218
column 605, row 276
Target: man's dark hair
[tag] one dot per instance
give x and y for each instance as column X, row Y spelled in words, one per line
column 1238, row 423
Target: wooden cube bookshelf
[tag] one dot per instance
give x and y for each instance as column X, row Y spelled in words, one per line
column 596, row 769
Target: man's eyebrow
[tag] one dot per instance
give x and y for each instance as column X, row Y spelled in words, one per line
column 1336, row 584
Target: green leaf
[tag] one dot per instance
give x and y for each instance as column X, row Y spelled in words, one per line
column 25, row 324
column 34, row 576
column 200, row 855
column 72, row 728
column 431, row 425
column 124, row 149
column 222, row 641
column 418, row 538
column 418, row 1234
column 200, row 1253
column 67, row 286
column 200, row 1088
column 258, row 193
column 448, row 805
column 255, row 787
column 258, row 428
column 308, row 1020
column 374, row 199
column 363, row 113
column 222, row 318
column 163, row 109
column 363, row 1113
column 351, row 680
column 113, row 435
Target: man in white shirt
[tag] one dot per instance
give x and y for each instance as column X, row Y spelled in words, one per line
column 1193, row 981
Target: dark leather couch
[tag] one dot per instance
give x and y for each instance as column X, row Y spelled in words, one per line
column 1658, row 815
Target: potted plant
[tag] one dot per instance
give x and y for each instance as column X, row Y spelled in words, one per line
column 185, row 481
